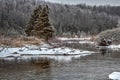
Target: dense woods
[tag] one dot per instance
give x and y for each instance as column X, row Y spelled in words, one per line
column 67, row 19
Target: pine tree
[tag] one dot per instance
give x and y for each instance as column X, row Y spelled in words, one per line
column 39, row 25
column 32, row 20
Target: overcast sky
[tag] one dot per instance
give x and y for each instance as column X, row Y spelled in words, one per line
column 89, row 2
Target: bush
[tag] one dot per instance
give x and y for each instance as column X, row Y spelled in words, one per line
column 19, row 41
column 113, row 34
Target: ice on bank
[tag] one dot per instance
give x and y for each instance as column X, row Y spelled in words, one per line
column 81, row 39
column 114, row 46
column 35, row 50
column 114, row 76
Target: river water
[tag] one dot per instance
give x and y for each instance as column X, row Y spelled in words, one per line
column 96, row 66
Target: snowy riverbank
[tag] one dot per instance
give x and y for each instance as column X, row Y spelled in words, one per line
column 46, row 49
column 28, row 51
column 111, row 47
column 81, row 39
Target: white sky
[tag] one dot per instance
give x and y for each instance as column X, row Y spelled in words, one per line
column 89, row 2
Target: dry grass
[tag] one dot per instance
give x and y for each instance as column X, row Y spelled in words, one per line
column 93, row 38
column 20, row 41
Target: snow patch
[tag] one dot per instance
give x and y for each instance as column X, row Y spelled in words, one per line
column 65, row 38
column 9, row 52
column 35, row 51
column 114, row 46
column 80, row 42
column 114, row 76
column 111, row 47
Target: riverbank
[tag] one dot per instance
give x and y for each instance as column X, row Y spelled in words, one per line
column 19, row 41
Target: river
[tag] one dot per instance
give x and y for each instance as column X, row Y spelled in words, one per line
column 96, row 66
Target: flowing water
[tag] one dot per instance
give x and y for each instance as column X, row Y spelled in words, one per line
column 96, row 66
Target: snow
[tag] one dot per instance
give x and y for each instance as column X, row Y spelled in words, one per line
column 115, row 47
column 81, row 42
column 65, row 38
column 111, row 47
column 9, row 52
column 40, row 52
column 85, row 40
column 114, row 76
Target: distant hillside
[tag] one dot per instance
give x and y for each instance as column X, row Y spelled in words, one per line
column 70, row 19
column 111, row 10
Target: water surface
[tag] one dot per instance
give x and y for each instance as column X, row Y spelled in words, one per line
column 96, row 66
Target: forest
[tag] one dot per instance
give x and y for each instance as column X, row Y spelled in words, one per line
column 67, row 19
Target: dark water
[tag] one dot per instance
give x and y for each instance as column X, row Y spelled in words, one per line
column 92, row 67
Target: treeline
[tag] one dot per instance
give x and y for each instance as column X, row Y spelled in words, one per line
column 14, row 15
column 69, row 19
column 112, row 10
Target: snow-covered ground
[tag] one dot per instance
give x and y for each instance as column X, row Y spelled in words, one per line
column 114, row 76
column 86, row 40
column 36, row 51
column 80, row 42
column 114, row 47
column 65, row 38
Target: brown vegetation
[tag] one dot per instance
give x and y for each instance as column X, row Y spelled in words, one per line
column 20, row 41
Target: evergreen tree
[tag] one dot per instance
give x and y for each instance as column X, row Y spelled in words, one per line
column 32, row 20
column 39, row 24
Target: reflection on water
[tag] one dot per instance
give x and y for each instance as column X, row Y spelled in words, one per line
column 103, row 51
column 29, row 59
column 35, row 69
column 96, row 66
